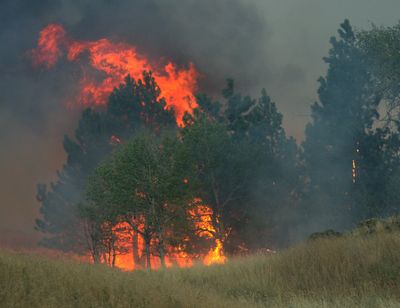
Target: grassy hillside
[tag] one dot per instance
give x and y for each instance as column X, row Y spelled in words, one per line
column 355, row 271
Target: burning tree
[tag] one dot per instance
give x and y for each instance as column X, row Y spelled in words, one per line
column 241, row 163
column 225, row 157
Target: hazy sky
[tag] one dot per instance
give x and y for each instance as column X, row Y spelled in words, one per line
column 276, row 44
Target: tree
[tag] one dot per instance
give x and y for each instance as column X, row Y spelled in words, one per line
column 381, row 46
column 143, row 185
column 275, row 185
column 338, row 141
column 216, row 171
column 59, row 202
column 135, row 105
column 238, row 154
column 377, row 173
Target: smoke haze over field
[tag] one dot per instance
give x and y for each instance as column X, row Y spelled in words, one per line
column 273, row 44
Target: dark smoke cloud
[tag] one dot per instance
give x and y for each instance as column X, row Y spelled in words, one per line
column 272, row 44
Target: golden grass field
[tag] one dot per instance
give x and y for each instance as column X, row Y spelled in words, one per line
column 351, row 271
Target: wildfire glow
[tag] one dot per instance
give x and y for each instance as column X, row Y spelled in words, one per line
column 115, row 61
column 174, row 256
column 177, row 86
column 126, row 261
column 215, row 255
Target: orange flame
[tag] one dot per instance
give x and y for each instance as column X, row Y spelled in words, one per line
column 115, row 140
column 115, row 61
column 175, row 256
column 126, row 261
column 353, row 170
column 206, row 229
column 215, row 255
column 177, row 86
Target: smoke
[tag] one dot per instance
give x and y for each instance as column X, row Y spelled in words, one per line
column 272, row 44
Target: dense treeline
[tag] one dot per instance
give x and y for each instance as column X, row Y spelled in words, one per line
column 130, row 163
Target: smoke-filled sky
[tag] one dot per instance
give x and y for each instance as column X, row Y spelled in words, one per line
column 276, row 44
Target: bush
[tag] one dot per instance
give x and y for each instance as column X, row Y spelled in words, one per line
column 325, row 234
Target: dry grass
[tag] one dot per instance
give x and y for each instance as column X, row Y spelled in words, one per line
column 352, row 271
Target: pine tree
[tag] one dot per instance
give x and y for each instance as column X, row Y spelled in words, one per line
column 343, row 119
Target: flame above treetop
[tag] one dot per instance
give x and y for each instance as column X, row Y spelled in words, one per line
column 115, row 61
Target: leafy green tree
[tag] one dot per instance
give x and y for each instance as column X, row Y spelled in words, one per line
column 216, row 172
column 143, row 185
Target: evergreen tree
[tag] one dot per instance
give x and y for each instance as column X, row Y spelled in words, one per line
column 60, row 222
column 338, row 136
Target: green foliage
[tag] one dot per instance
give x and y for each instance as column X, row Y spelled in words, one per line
column 142, row 171
column 137, row 105
column 219, row 169
column 381, row 46
column 375, row 225
column 243, row 166
column 142, row 184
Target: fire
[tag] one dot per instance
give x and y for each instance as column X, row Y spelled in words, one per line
column 115, row 61
column 177, row 86
column 215, row 255
column 206, row 229
column 126, row 260
column 115, row 140
column 175, row 256
column 48, row 51
column 353, row 170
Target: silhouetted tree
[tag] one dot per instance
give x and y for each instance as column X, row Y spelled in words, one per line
column 346, row 156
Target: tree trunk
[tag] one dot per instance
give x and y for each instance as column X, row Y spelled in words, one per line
column 114, row 256
column 220, row 232
column 96, row 257
column 161, row 251
column 135, row 250
column 162, row 256
column 147, row 240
